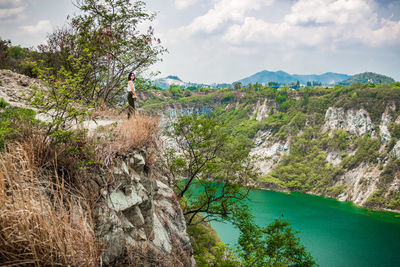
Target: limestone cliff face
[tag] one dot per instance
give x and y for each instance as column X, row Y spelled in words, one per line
column 355, row 121
column 139, row 218
column 360, row 182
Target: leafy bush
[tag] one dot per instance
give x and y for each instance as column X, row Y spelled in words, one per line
column 14, row 122
column 394, row 130
column 305, row 167
column 367, row 150
column 340, row 140
column 336, row 190
column 208, row 249
column 376, row 199
column 3, row 103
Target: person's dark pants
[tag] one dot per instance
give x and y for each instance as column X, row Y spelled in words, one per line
column 131, row 107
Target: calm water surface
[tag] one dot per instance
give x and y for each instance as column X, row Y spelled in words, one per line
column 336, row 233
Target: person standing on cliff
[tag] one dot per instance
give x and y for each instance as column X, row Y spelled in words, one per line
column 131, row 94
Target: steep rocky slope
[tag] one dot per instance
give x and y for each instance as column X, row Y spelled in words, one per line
column 140, row 215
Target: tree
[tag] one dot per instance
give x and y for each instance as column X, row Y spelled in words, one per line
column 61, row 98
column 237, row 85
column 208, row 168
column 274, row 245
column 4, row 57
column 109, row 31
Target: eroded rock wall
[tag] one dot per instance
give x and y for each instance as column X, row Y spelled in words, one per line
column 139, row 218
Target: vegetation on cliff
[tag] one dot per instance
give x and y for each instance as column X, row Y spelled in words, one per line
column 297, row 118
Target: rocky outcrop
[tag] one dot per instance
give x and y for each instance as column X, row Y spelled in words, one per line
column 354, row 121
column 385, row 120
column 173, row 112
column 14, row 86
column 139, row 217
column 268, row 153
column 262, row 110
column 360, row 182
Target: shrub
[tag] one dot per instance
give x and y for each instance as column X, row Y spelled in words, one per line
column 336, row 190
column 368, row 151
column 340, row 140
column 15, row 123
column 376, row 199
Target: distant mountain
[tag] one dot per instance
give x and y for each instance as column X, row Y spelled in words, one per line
column 169, row 80
column 280, row 77
column 166, row 82
column 368, row 77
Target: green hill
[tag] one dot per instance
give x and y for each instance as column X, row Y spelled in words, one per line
column 368, row 77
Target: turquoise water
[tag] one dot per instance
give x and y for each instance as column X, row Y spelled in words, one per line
column 336, row 233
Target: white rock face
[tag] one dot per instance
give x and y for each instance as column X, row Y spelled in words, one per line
column 357, row 122
column 334, row 158
column 361, row 182
column 396, row 150
column 385, row 120
column 261, row 110
column 269, row 153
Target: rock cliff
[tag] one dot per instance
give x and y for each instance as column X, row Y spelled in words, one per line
column 139, row 217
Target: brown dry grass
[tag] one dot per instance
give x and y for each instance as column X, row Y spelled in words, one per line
column 46, row 197
column 41, row 221
column 138, row 132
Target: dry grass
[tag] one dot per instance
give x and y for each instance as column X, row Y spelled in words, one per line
column 46, row 198
column 104, row 112
column 139, row 132
column 41, row 221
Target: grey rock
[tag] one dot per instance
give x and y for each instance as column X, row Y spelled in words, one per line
column 134, row 215
column 118, row 201
column 139, row 162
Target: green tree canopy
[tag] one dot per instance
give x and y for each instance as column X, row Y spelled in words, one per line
column 208, row 167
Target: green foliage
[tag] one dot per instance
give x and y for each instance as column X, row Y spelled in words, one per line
column 305, row 167
column 368, row 78
column 367, row 150
column 374, row 100
column 394, row 130
column 3, row 103
column 208, row 158
column 64, row 99
column 176, row 92
column 274, row 245
column 208, row 249
column 376, row 199
column 109, row 31
column 336, row 190
column 10, row 122
column 4, row 57
column 340, row 140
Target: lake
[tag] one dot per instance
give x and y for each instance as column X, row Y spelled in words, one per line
column 336, row 233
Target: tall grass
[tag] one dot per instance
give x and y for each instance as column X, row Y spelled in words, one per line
column 41, row 221
column 46, row 194
column 138, row 132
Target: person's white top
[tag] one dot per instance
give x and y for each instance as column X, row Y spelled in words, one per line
column 128, row 89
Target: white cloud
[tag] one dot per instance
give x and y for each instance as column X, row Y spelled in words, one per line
column 182, row 4
column 317, row 23
column 43, row 26
column 225, row 11
column 7, row 4
column 12, row 9
column 322, row 12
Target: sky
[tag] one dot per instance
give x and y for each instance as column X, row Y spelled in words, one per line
column 216, row 41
